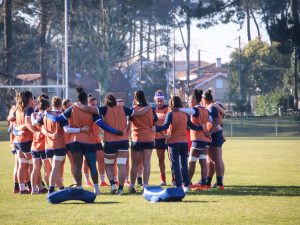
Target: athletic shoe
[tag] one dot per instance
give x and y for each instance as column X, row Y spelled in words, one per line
column 201, row 187
column 103, row 184
column 221, row 188
column 132, row 190
column 43, row 191
column 127, row 184
column 26, row 192
column 193, row 186
column 186, row 189
column 97, row 192
column 120, row 192
column 163, row 183
column 140, row 181
column 16, row 191
column 213, row 185
column 113, row 189
column 88, row 184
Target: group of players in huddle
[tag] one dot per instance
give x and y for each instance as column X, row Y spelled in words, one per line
column 43, row 133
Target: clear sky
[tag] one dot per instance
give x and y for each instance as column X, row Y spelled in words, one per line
column 212, row 42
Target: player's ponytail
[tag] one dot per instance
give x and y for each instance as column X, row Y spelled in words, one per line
column 197, row 95
column 81, row 96
column 110, row 100
column 208, row 95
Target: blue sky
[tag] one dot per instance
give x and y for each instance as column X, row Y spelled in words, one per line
column 213, row 41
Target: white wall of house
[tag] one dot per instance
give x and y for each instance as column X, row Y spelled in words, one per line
column 219, row 85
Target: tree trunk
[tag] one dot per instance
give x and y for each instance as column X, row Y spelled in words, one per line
column 295, row 16
column 141, row 50
column 188, row 48
column 155, row 43
column 133, row 41
column 148, row 40
column 248, row 24
column 296, row 100
column 6, row 95
column 130, row 39
column 43, row 46
column 256, row 24
column 141, row 37
column 7, row 8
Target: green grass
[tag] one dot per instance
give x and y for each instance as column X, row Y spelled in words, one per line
column 262, row 187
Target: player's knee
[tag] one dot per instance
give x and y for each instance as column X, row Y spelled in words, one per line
column 121, row 160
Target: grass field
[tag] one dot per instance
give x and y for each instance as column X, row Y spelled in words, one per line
column 262, row 182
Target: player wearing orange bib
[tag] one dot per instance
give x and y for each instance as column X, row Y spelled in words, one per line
column 200, row 139
column 142, row 138
column 160, row 141
column 23, row 142
column 55, row 145
column 11, row 141
column 177, row 123
column 82, row 143
column 215, row 150
column 92, row 102
column 38, row 150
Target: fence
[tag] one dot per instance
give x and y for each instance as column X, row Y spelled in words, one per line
column 237, row 127
column 261, row 127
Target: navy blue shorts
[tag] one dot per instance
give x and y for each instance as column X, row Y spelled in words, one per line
column 68, row 147
column 140, row 146
column 24, row 147
column 160, row 144
column 199, row 145
column 217, row 139
column 14, row 151
column 38, row 154
column 113, row 147
column 98, row 146
column 55, row 152
column 82, row 147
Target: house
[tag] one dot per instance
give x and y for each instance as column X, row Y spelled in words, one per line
column 121, row 88
column 213, row 76
column 133, row 68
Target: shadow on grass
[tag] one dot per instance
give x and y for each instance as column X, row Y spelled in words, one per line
column 243, row 190
column 197, row 201
column 82, row 203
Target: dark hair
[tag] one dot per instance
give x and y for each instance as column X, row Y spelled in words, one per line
column 175, row 102
column 22, row 99
column 197, row 94
column 43, row 104
column 139, row 96
column 42, row 96
column 56, row 101
column 91, row 98
column 81, row 95
column 110, row 100
column 65, row 102
column 208, row 95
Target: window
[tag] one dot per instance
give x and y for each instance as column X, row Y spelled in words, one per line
column 219, row 83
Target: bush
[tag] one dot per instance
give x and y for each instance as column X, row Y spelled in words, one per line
column 269, row 104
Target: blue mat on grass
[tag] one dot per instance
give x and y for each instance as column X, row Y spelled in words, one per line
column 159, row 194
column 70, row 194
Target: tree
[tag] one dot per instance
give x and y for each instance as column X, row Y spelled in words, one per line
column 263, row 69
